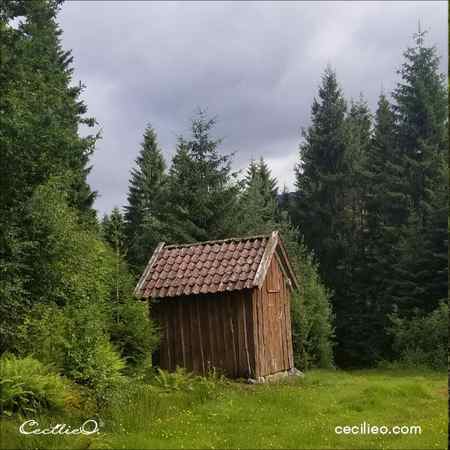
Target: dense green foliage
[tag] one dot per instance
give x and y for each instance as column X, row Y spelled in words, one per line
column 371, row 201
column 65, row 293
column 422, row 341
column 27, row 386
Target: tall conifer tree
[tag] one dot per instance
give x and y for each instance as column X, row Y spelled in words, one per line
column 145, row 200
column 202, row 189
column 421, row 108
column 41, row 108
column 320, row 175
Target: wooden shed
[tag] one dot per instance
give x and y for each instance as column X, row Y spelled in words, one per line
column 222, row 304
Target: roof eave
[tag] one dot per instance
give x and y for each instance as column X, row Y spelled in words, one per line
column 275, row 243
column 265, row 260
column 138, row 291
column 288, row 267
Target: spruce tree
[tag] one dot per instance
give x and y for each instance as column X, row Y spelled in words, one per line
column 323, row 210
column 352, row 306
column 145, row 200
column 202, row 191
column 268, row 183
column 41, row 111
column 421, row 109
column 320, row 176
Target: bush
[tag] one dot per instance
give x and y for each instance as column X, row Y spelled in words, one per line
column 73, row 340
column 28, row 386
column 89, row 357
column 422, row 341
column 312, row 318
column 132, row 332
column 42, row 335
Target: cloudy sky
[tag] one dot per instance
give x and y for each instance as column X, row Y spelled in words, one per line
column 256, row 66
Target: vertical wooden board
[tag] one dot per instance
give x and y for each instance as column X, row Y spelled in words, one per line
column 288, row 333
column 278, row 316
column 248, row 369
column 180, row 308
column 227, row 354
column 163, row 356
column 228, row 360
column 178, row 358
column 234, row 306
column 157, row 319
column 210, row 333
column 285, row 363
column 272, row 326
column 249, row 332
column 170, row 335
column 195, row 358
column 262, row 340
column 266, row 313
column 217, row 334
column 287, row 324
column 221, row 335
column 200, row 337
column 237, row 312
column 231, row 301
column 253, row 299
column 278, row 319
column 165, row 307
column 204, row 329
column 289, row 330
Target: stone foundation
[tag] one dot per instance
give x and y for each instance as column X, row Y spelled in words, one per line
column 274, row 377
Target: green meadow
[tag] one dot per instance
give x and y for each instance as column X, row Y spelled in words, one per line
column 297, row 413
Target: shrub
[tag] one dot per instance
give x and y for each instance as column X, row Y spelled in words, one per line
column 42, row 335
column 179, row 380
column 201, row 388
column 422, row 341
column 28, row 386
column 312, row 318
column 89, row 357
column 132, row 332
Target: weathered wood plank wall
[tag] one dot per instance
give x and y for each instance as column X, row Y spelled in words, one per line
column 204, row 331
column 272, row 323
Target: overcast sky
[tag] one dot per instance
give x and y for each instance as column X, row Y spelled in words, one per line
column 256, row 66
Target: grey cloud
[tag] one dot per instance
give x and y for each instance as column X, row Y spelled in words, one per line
column 255, row 65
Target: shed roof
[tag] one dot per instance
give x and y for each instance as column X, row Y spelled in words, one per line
column 212, row 266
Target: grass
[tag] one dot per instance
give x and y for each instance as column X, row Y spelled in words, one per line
column 299, row 413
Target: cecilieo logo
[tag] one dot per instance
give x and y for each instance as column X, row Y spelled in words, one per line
column 32, row 427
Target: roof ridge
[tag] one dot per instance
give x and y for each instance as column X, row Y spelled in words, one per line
column 244, row 238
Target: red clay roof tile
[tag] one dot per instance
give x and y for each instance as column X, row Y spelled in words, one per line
column 204, row 267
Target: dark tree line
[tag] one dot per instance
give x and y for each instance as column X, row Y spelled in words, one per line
column 371, row 201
